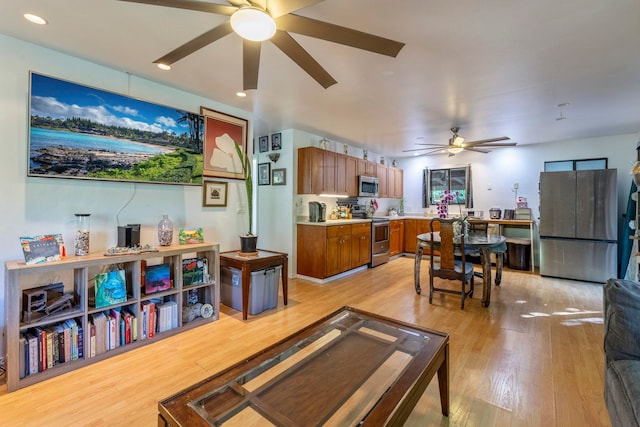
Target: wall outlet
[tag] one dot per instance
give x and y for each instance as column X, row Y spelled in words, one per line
column 515, row 186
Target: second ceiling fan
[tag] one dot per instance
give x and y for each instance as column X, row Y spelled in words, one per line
column 278, row 23
column 457, row 144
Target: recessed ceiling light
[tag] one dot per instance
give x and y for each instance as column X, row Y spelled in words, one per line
column 241, row 94
column 35, row 19
column 563, row 104
column 164, row 67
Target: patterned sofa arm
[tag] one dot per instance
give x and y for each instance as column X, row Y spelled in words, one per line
column 621, row 320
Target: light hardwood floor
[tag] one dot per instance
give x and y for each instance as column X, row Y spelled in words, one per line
column 533, row 358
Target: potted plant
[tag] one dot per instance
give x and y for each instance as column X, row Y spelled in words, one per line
column 248, row 241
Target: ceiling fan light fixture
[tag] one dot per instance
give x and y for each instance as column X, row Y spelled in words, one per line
column 253, row 24
column 455, row 150
column 458, row 140
column 164, row 67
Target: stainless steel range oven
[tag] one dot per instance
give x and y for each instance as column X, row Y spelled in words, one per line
column 379, row 241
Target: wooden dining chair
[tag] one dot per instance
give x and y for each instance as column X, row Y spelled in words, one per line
column 446, row 266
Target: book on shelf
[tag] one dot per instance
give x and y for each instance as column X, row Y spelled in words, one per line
column 24, row 356
column 149, row 324
column 43, row 248
column 80, row 341
column 100, row 323
column 62, row 353
column 73, row 325
column 116, row 315
column 92, row 339
column 32, row 342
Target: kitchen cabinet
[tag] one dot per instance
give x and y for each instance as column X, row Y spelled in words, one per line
column 350, row 175
column 381, row 173
column 360, row 244
column 413, row 227
column 394, row 183
column 327, row 250
column 396, row 237
column 366, row 168
column 327, row 172
column 338, row 249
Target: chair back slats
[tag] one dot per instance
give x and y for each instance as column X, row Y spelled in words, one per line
column 447, row 254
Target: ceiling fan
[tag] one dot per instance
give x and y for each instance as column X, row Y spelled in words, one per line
column 457, row 145
column 277, row 20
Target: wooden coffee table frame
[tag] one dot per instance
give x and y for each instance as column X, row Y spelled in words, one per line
column 320, row 374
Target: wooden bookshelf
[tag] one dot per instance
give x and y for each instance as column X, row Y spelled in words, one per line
column 76, row 274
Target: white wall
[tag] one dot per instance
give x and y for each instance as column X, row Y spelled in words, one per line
column 33, row 205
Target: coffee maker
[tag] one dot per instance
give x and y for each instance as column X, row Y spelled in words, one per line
column 317, row 212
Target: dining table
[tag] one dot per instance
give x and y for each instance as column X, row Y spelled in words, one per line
column 485, row 244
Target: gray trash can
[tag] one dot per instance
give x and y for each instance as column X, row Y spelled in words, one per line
column 263, row 289
column 519, row 254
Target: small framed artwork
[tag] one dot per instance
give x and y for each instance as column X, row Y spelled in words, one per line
column 263, row 144
column 264, row 173
column 214, row 193
column 279, row 177
column 276, row 141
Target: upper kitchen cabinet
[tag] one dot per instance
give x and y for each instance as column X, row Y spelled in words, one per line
column 381, row 173
column 394, row 183
column 317, row 171
column 366, row 168
column 327, row 172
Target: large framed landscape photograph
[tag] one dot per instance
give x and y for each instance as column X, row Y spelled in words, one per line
column 82, row 132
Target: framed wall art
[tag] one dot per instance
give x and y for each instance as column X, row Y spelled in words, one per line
column 214, row 193
column 279, row 177
column 263, row 144
column 221, row 132
column 102, row 135
column 276, row 141
column 264, row 173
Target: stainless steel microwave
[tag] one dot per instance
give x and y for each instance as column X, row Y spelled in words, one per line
column 367, row 186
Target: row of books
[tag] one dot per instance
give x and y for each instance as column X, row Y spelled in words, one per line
column 42, row 348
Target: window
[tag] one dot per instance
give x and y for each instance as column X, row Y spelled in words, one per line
column 456, row 180
column 575, row 165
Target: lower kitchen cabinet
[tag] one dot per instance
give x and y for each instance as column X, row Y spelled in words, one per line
column 327, row 250
column 360, row 244
column 413, row 227
column 396, row 237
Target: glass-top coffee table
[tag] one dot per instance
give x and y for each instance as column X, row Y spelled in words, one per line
column 349, row 368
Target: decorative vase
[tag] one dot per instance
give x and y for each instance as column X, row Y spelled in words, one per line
column 165, row 231
column 248, row 243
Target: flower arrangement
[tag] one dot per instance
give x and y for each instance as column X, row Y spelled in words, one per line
column 443, row 205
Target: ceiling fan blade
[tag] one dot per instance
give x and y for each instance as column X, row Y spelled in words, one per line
column 293, row 50
column 189, row 5
column 430, row 150
column 484, row 141
column 241, row 3
column 507, row 144
column 337, row 34
column 198, row 43
column 250, row 64
column 432, row 145
column 477, row 150
column 277, row 8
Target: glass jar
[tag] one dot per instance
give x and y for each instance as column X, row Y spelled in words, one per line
column 81, row 241
column 165, row 231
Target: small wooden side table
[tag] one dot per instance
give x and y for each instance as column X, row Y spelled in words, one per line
column 247, row 264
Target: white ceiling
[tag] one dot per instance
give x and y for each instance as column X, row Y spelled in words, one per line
column 491, row 67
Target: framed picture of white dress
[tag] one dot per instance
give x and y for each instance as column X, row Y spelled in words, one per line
column 221, row 132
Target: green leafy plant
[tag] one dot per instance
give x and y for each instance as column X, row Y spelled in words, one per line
column 248, row 183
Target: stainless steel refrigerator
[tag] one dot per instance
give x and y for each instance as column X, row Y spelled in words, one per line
column 579, row 224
